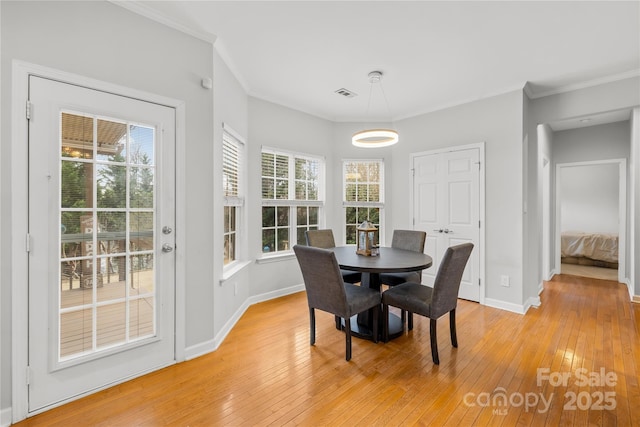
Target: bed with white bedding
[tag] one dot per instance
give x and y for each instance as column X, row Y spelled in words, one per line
column 599, row 249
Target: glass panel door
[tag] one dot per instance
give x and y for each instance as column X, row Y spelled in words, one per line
column 101, row 259
column 107, row 290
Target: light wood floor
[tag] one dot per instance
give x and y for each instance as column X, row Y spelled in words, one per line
column 265, row 372
column 590, row 271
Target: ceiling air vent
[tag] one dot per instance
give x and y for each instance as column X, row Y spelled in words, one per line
column 346, row 93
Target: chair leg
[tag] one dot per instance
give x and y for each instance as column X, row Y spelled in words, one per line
column 338, row 323
column 385, row 322
column 409, row 320
column 347, row 334
column 376, row 318
column 434, row 342
column 312, row 322
column 452, row 327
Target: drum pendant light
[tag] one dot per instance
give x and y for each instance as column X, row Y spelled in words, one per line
column 375, row 138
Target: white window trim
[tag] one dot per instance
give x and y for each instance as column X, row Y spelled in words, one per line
column 380, row 204
column 240, row 261
column 263, row 257
column 232, row 269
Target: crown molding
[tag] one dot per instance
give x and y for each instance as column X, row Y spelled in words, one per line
column 587, row 84
column 143, row 10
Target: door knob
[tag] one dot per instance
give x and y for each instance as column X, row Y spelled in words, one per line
column 167, row 248
column 166, row 230
column 438, row 230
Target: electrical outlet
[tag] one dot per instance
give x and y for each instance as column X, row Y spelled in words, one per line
column 504, row 280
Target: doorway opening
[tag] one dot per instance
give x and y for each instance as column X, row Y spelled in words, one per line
column 591, row 219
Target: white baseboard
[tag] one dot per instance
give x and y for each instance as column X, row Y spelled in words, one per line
column 629, row 285
column 503, row 305
column 532, row 302
column 5, row 417
column 275, row 294
column 212, row 345
column 636, row 299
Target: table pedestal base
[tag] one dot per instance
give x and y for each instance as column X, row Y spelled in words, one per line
column 365, row 332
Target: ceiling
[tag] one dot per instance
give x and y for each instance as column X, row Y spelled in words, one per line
column 433, row 54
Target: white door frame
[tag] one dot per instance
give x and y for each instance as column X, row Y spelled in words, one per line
column 547, row 270
column 19, row 213
column 481, row 243
column 622, row 213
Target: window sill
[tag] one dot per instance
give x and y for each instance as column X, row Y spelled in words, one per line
column 282, row 256
column 232, row 270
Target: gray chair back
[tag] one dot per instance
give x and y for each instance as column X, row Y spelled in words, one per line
column 320, row 238
column 409, row 240
column 447, row 282
column 322, row 280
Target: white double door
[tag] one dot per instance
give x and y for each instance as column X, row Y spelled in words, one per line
column 446, row 204
column 101, row 220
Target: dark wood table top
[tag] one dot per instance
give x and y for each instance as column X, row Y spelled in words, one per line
column 390, row 260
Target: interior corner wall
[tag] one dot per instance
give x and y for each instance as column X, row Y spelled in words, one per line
column 230, row 108
column 103, row 41
column 532, row 213
column 276, row 126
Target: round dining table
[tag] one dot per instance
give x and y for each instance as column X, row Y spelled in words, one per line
column 389, row 260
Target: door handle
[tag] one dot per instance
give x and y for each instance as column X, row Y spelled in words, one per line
column 166, row 230
column 167, row 248
column 441, row 230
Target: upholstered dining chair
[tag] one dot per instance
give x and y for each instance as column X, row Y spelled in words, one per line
column 324, row 239
column 327, row 291
column 431, row 302
column 409, row 240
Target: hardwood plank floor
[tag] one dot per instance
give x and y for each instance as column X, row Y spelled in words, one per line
column 508, row 370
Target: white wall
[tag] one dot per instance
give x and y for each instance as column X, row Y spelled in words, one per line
column 276, row 126
column 608, row 141
column 106, row 42
column 589, row 198
column 231, row 108
column 498, row 122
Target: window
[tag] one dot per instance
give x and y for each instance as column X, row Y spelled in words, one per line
column 292, row 198
column 232, row 153
column 363, row 195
